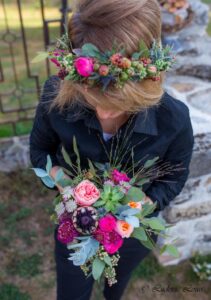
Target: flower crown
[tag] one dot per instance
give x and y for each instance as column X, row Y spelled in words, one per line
column 90, row 66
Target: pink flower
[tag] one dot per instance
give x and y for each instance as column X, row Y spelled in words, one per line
column 134, row 204
column 100, row 235
column 113, row 242
column 107, row 223
column 55, row 61
column 86, row 193
column 119, row 176
column 124, row 228
column 84, row 66
column 66, row 232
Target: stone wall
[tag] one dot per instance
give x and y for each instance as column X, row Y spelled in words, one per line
column 190, row 82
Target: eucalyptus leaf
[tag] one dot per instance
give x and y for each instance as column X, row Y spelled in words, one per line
column 135, row 194
column 107, row 260
column 40, row 172
column 154, row 223
column 97, row 268
column 90, row 50
column 40, row 57
column 49, row 164
column 133, row 221
column 59, row 175
column 140, row 234
column 48, row 181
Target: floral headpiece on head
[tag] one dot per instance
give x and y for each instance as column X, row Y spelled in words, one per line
column 90, row 66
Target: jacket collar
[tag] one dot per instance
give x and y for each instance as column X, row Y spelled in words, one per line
column 145, row 122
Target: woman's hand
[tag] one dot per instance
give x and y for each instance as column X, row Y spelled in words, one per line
column 148, row 200
column 53, row 172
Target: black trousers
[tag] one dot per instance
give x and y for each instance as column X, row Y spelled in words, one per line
column 72, row 283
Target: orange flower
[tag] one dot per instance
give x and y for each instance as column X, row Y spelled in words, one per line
column 134, row 204
column 124, row 229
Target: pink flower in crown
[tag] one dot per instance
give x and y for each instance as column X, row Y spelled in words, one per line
column 58, row 52
column 66, row 232
column 86, row 193
column 84, row 66
column 107, row 223
column 117, row 176
column 55, row 61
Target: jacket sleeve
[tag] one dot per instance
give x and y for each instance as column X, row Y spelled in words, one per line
column 43, row 139
column 179, row 152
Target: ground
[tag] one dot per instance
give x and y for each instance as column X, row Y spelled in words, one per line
column 27, row 269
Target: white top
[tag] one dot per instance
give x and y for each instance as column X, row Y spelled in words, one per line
column 107, row 136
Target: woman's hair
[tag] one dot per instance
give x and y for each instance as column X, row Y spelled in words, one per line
column 103, row 22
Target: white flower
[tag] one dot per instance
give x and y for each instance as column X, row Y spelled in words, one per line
column 67, row 193
column 109, row 182
column 59, row 209
column 70, row 205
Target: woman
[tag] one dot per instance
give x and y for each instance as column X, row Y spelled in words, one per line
column 160, row 122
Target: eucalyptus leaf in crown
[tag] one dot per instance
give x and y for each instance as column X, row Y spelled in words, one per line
column 90, row 66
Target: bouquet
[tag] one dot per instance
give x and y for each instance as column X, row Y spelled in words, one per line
column 101, row 206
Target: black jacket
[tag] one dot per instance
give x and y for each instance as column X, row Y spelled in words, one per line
column 163, row 131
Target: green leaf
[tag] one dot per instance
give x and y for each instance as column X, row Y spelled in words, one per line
column 40, row 57
column 142, row 181
column 91, row 50
column 143, row 49
column 107, row 260
column 172, row 250
column 66, row 157
column 147, row 209
column 149, row 163
column 59, row 175
column 99, row 203
column 135, row 194
column 97, row 268
column 148, row 244
column 49, row 164
column 75, row 148
column 140, row 234
column 100, row 166
column 91, row 166
column 136, row 56
column 154, row 223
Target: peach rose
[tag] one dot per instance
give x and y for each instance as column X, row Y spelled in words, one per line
column 134, row 204
column 123, row 228
column 86, row 193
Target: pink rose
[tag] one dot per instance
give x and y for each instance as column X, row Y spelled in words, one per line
column 107, row 223
column 86, row 193
column 119, row 176
column 84, row 66
column 124, row 228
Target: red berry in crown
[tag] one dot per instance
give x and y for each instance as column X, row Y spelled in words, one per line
column 103, row 70
column 116, row 59
column 125, row 63
column 146, row 61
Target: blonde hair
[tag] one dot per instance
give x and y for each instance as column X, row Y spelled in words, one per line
column 101, row 23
